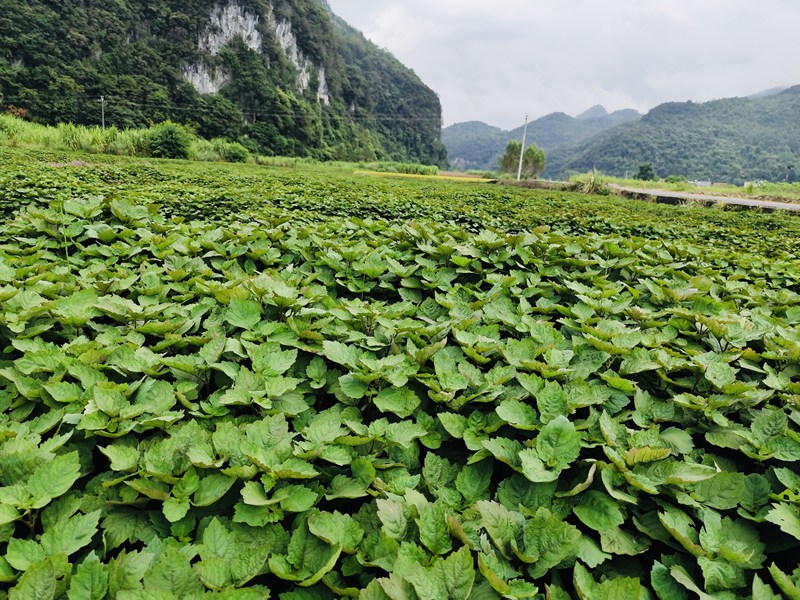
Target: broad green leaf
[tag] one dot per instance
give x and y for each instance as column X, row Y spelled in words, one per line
column 244, row 314
column 547, row 540
column 720, row 575
column 211, row 488
column 393, row 518
column 341, row 354
column 518, row 414
column 8, row 514
column 23, row 554
column 473, row 481
column 70, row 535
column 551, row 401
column 39, row 583
column 172, row 575
column 720, row 374
column 336, row 529
column 175, row 509
column 558, row 443
column 53, row 478
column 763, row 591
column 446, row 363
column 434, row 532
column 787, row 517
column 399, row 401
column 458, row 574
column 90, row 581
column 298, row 498
column 123, row 456
column 599, row 511
column 534, row 468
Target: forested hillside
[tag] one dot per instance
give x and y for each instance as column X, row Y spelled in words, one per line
column 732, row 140
column 282, row 77
column 476, row 145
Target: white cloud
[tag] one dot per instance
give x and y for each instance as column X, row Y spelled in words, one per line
column 494, row 61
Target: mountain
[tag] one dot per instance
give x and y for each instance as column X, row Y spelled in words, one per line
column 731, row 140
column 476, row 145
column 280, row 76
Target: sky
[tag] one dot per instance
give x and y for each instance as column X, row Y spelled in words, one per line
column 496, row 60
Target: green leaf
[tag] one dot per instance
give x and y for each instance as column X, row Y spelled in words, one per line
column 175, row 509
column 336, row 529
column 393, row 518
column 784, row 583
column 70, row 535
column 172, row 576
column 341, row 354
column 434, row 532
column 547, row 540
column 599, row 511
column 720, row 575
column 37, row 583
column 399, row 401
column 353, row 387
column 787, row 517
column 723, row 491
column 244, row 314
column 445, row 363
column 8, row 514
column 534, row 468
column 53, row 478
column 558, row 443
column 762, row 591
column 297, row 498
column 458, row 574
column 124, row 455
column 518, row 414
column 473, row 481
column 720, row 374
column 551, row 401
column 22, row 554
column 90, row 581
column 212, row 488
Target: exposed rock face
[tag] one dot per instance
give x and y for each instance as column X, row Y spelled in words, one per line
column 231, row 21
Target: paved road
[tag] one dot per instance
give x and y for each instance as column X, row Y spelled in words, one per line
column 667, row 196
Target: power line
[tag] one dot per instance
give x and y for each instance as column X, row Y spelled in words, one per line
column 115, row 101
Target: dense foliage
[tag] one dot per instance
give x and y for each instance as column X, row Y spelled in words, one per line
column 58, row 59
column 733, row 140
column 389, row 389
column 531, row 163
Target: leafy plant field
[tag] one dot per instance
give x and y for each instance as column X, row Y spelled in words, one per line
column 302, row 384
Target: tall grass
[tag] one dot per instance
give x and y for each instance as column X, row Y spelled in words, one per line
column 95, row 140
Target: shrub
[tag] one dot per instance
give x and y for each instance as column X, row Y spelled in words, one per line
column 169, row 140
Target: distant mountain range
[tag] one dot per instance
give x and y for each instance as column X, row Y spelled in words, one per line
column 476, row 145
column 732, row 140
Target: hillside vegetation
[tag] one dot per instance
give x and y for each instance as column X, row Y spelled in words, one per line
column 284, row 77
column 476, row 145
column 732, row 140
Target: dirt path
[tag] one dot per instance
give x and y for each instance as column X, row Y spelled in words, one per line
column 675, row 197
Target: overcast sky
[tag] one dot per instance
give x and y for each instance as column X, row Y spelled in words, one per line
column 495, row 60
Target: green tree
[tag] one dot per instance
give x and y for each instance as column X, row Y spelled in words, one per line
column 533, row 160
column 645, row 173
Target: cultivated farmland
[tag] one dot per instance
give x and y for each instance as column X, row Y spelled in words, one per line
column 240, row 382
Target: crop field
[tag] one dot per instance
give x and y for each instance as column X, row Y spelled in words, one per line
column 232, row 381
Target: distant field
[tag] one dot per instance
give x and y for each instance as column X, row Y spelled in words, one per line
column 304, row 383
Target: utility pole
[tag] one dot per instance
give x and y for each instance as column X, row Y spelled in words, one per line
column 522, row 150
column 103, row 111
